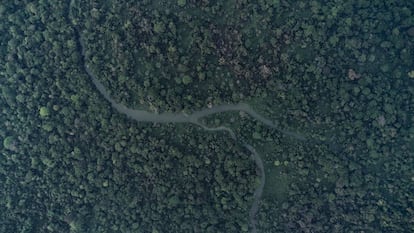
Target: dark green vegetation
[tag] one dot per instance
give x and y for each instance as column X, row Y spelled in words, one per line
column 340, row 73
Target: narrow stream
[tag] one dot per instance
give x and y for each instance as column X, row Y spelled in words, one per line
column 193, row 118
column 144, row 116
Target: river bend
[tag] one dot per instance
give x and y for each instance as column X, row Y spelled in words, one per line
column 193, row 118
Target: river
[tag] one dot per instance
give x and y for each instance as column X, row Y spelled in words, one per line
column 193, row 118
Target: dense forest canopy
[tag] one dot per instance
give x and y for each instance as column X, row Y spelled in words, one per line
column 336, row 78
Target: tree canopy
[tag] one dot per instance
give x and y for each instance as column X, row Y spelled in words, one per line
column 338, row 76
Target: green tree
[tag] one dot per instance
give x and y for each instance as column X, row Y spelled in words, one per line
column 9, row 143
column 187, row 79
column 181, row 2
column 44, row 112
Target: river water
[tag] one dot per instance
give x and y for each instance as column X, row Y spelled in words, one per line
column 194, row 118
column 145, row 116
